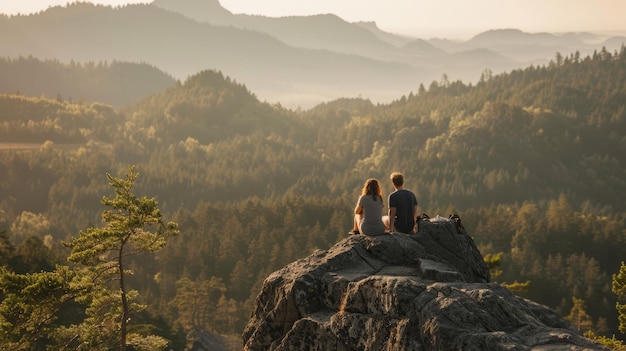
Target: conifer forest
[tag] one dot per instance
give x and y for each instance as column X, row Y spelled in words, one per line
column 190, row 197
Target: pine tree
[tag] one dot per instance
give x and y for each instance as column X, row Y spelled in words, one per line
column 619, row 289
column 30, row 307
column 6, row 248
column 133, row 225
column 196, row 303
column 578, row 315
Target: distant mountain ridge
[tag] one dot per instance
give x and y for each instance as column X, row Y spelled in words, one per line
column 323, row 31
column 115, row 83
column 209, row 11
column 180, row 46
column 296, row 60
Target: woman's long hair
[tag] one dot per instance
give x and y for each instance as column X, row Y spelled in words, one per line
column 371, row 187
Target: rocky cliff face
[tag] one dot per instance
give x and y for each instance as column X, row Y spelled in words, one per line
column 428, row 291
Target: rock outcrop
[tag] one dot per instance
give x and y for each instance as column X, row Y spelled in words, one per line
column 427, row 291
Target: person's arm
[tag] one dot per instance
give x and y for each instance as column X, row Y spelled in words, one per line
column 358, row 209
column 392, row 218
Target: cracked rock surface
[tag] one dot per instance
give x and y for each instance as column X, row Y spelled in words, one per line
column 424, row 291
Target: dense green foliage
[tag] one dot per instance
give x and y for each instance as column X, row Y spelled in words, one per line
column 533, row 161
column 619, row 288
column 133, row 225
column 42, row 310
column 612, row 343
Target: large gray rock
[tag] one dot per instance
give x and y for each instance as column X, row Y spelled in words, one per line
column 428, row 291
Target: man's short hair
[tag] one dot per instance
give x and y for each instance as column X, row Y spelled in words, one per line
column 397, row 178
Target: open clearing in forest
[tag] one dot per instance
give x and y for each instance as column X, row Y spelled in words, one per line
column 19, row 146
column 37, row 146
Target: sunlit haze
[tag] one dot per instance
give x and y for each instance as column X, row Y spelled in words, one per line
column 453, row 19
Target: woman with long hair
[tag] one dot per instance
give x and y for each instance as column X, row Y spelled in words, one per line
column 368, row 212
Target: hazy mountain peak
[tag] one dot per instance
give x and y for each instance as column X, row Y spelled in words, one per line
column 511, row 36
column 198, row 4
column 423, row 47
column 210, row 11
column 371, row 25
column 499, row 34
column 501, row 31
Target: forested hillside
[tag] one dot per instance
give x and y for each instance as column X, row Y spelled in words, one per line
column 534, row 162
column 114, row 83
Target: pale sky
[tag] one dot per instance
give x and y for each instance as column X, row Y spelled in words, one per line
column 453, row 19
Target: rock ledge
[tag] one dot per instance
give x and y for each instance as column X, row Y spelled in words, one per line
column 428, row 291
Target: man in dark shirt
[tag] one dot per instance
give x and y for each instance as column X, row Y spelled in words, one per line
column 402, row 207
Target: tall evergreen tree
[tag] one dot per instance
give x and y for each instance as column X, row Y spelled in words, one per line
column 134, row 225
column 578, row 316
column 6, row 248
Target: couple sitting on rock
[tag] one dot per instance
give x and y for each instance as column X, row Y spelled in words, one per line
column 368, row 218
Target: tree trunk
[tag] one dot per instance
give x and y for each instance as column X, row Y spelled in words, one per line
column 124, row 302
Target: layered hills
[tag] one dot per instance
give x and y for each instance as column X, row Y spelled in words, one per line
column 532, row 160
column 298, row 61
